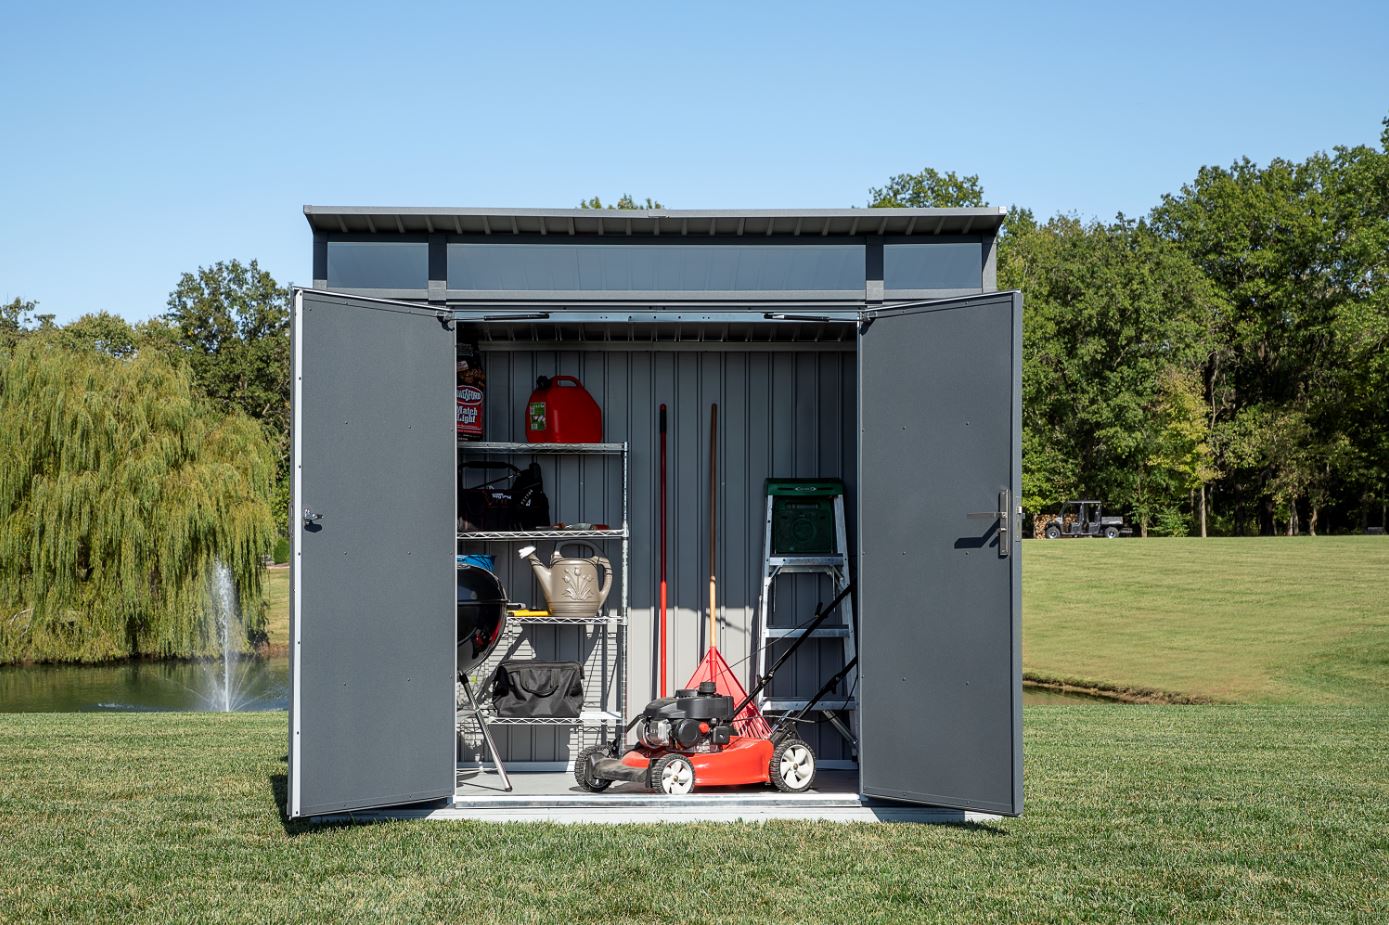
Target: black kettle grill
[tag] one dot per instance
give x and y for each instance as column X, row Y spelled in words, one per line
column 481, row 615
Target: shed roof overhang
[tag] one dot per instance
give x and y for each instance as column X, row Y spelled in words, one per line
column 915, row 223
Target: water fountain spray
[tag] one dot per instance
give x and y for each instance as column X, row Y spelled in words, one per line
column 224, row 606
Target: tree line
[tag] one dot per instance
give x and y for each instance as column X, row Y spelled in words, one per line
column 138, row 458
column 1217, row 366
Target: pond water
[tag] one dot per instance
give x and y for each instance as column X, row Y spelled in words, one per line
column 144, row 686
column 260, row 684
column 1040, row 696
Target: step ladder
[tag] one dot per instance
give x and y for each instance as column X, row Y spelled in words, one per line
column 784, row 538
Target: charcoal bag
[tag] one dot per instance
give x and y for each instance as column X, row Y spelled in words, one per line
column 538, row 689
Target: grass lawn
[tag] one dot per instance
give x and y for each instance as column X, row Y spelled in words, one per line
column 277, row 597
column 1271, row 811
column 1146, row 814
column 1259, row 620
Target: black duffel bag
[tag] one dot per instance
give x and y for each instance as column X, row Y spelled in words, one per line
column 538, row 689
column 514, row 501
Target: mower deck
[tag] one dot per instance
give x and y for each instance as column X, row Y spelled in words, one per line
column 554, row 797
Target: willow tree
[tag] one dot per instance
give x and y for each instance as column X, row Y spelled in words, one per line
column 120, row 488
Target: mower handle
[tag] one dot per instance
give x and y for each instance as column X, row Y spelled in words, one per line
column 790, row 719
column 820, row 615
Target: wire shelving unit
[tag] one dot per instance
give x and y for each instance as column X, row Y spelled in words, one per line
column 603, row 638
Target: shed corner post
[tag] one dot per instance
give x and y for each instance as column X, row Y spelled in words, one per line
column 438, row 268
column 873, row 270
column 989, row 281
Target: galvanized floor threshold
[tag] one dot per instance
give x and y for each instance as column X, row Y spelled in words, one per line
column 554, row 798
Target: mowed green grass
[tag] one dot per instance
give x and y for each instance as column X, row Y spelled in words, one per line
column 1134, row 813
column 1256, row 620
column 277, row 606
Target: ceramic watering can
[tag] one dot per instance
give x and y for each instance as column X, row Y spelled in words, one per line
column 570, row 584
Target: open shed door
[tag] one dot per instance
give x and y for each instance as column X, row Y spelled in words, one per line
column 372, row 610
column 939, row 583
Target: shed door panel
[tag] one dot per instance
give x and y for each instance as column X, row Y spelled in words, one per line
column 371, row 710
column 939, row 589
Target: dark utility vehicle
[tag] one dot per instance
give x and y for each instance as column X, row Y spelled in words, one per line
column 1085, row 518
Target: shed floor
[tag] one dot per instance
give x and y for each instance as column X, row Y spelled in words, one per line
column 554, row 797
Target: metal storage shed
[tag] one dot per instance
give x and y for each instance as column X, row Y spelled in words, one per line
column 867, row 345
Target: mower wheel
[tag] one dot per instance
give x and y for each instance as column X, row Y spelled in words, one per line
column 793, row 766
column 1053, row 532
column 673, row 775
column 1111, row 533
column 591, row 784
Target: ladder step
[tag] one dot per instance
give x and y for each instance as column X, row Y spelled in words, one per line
column 834, row 566
column 787, row 562
column 823, row 632
column 777, row 703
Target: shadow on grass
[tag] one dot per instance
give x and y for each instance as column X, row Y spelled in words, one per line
column 279, row 792
column 978, row 828
column 991, row 827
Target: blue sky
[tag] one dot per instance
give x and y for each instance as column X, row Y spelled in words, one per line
column 140, row 140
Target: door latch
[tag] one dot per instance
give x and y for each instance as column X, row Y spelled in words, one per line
column 1003, row 515
column 311, row 517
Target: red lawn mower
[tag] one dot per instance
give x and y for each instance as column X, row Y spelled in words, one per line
column 689, row 740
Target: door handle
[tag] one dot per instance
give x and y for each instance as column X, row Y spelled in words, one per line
column 310, row 517
column 1003, row 515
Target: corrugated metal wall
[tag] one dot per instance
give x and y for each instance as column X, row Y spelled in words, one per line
column 783, row 411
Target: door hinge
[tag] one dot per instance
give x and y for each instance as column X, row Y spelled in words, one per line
column 823, row 319
column 469, row 317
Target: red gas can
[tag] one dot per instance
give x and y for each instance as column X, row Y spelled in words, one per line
column 560, row 410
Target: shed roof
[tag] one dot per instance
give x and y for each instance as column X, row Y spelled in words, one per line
column 655, row 222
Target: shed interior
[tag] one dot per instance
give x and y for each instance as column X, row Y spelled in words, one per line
column 786, row 393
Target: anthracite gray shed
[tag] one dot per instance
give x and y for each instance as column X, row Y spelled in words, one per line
column 866, row 345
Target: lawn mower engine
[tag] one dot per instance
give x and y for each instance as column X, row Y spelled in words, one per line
column 692, row 721
column 689, row 739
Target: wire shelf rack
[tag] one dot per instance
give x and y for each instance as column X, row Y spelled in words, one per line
column 585, row 718
column 512, row 536
column 484, row 446
column 611, row 619
column 599, row 643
